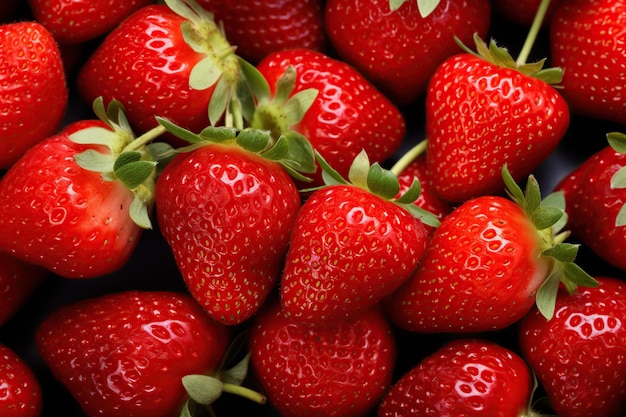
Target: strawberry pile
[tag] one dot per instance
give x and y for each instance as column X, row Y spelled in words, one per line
column 338, row 208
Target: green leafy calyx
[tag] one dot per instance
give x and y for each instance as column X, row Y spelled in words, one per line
column 617, row 141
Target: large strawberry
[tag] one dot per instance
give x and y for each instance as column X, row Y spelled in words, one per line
column 260, row 27
column 485, row 110
column 595, row 193
column 20, row 391
column 465, row 377
column 136, row 353
column 33, row 92
column 353, row 243
column 76, row 203
column 226, row 207
column 338, row 369
column 587, row 40
column 347, row 114
column 18, row 281
column 488, row 263
column 578, row 356
column 399, row 44
column 77, row 21
column 167, row 61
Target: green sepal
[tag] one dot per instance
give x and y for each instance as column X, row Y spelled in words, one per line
column 220, row 100
column 382, row 182
column 297, row 105
column 618, row 180
column 139, row 208
column 412, row 194
column 237, row 374
column 280, row 150
column 576, row 275
column 547, row 293
column 359, row 170
column 134, row 173
column 254, row 80
column 301, row 153
column 424, row 215
column 92, row 160
column 204, row 74
column 178, row 131
column 556, row 199
column 254, row 140
column 203, row 389
column 620, row 219
column 617, row 141
column 219, row 134
column 329, row 174
column 544, row 217
column 564, row 252
column 94, row 136
column 425, row 7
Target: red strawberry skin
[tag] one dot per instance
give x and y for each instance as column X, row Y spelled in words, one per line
column 349, row 249
column 227, row 215
column 399, row 51
column 592, row 205
column 77, row 21
column 20, row 389
column 465, row 377
column 339, row 369
column 147, row 54
column 18, row 280
column 479, row 117
column 480, row 272
column 258, row 28
column 124, row 354
column 349, row 114
column 590, row 48
column 63, row 217
column 578, row 355
column 34, row 90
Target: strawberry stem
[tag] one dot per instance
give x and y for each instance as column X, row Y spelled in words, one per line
column 146, row 138
column 244, row 392
column 532, row 33
column 406, row 159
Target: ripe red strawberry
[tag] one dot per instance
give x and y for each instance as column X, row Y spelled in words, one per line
column 486, row 111
column 465, row 377
column 487, row 264
column 146, row 64
column 352, row 245
column 20, row 392
column 124, row 354
column 591, row 49
column 77, row 21
column 338, row 369
column 578, row 356
column 18, row 280
column 226, row 211
column 76, row 203
column 398, row 46
column 346, row 116
column 257, row 28
column 595, row 194
column 33, row 93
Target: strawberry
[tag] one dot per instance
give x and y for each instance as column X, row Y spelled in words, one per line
column 133, row 353
column 34, row 92
column 149, row 53
column 595, row 194
column 20, row 389
column 338, row 369
column 399, row 44
column 578, row 356
column 77, row 21
column 488, row 263
column 226, row 208
column 588, row 42
column 353, row 244
column 345, row 116
column 258, row 28
column 464, row 377
column 76, row 203
column 484, row 111
column 18, row 281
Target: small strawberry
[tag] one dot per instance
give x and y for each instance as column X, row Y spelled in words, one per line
column 77, row 21
column 260, row 27
column 338, row 110
column 164, row 60
column 353, row 243
column 485, row 110
column 76, row 203
column 137, row 353
column 18, row 281
column 226, row 207
column 587, row 40
column 20, row 392
column 488, row 263
column 338, row 369
column 595, row 192
column 398, row 44
column 578, row 356
column 33, row 92
column 464, row 377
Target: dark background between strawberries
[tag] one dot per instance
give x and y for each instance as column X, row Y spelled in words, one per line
column 152, row 266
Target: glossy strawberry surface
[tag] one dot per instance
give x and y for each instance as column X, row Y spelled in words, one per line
column 19, row 388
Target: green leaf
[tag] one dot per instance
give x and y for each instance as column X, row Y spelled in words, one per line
column 620, row 220
column 396, row 4
column 426, row 7
column 545, row 217
column 301, row 152
column 204, row 74
column 186, row 410
column 617, row 140
column 578, row 276
column 532, row 199
column 254, row 80
column 550, row 76
column 329, row 174
column 412, row 194
column 285, row 85
column 203, row 389
column 359, row 170
column 93, row 136
column 126, row 158
column 512, row 188
column 418, row 212
column 296, row 107
column 279, row 151
column 618, row 180
column 219, row 100
column 563, row 252
column 138, row 212
column 546, row 295
column 382, row 182
column 178, row 131
column 134, row 174
column 92, row 160
column 218, row 134
column 254, row 140
column 237, row 374
column 555, row 199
